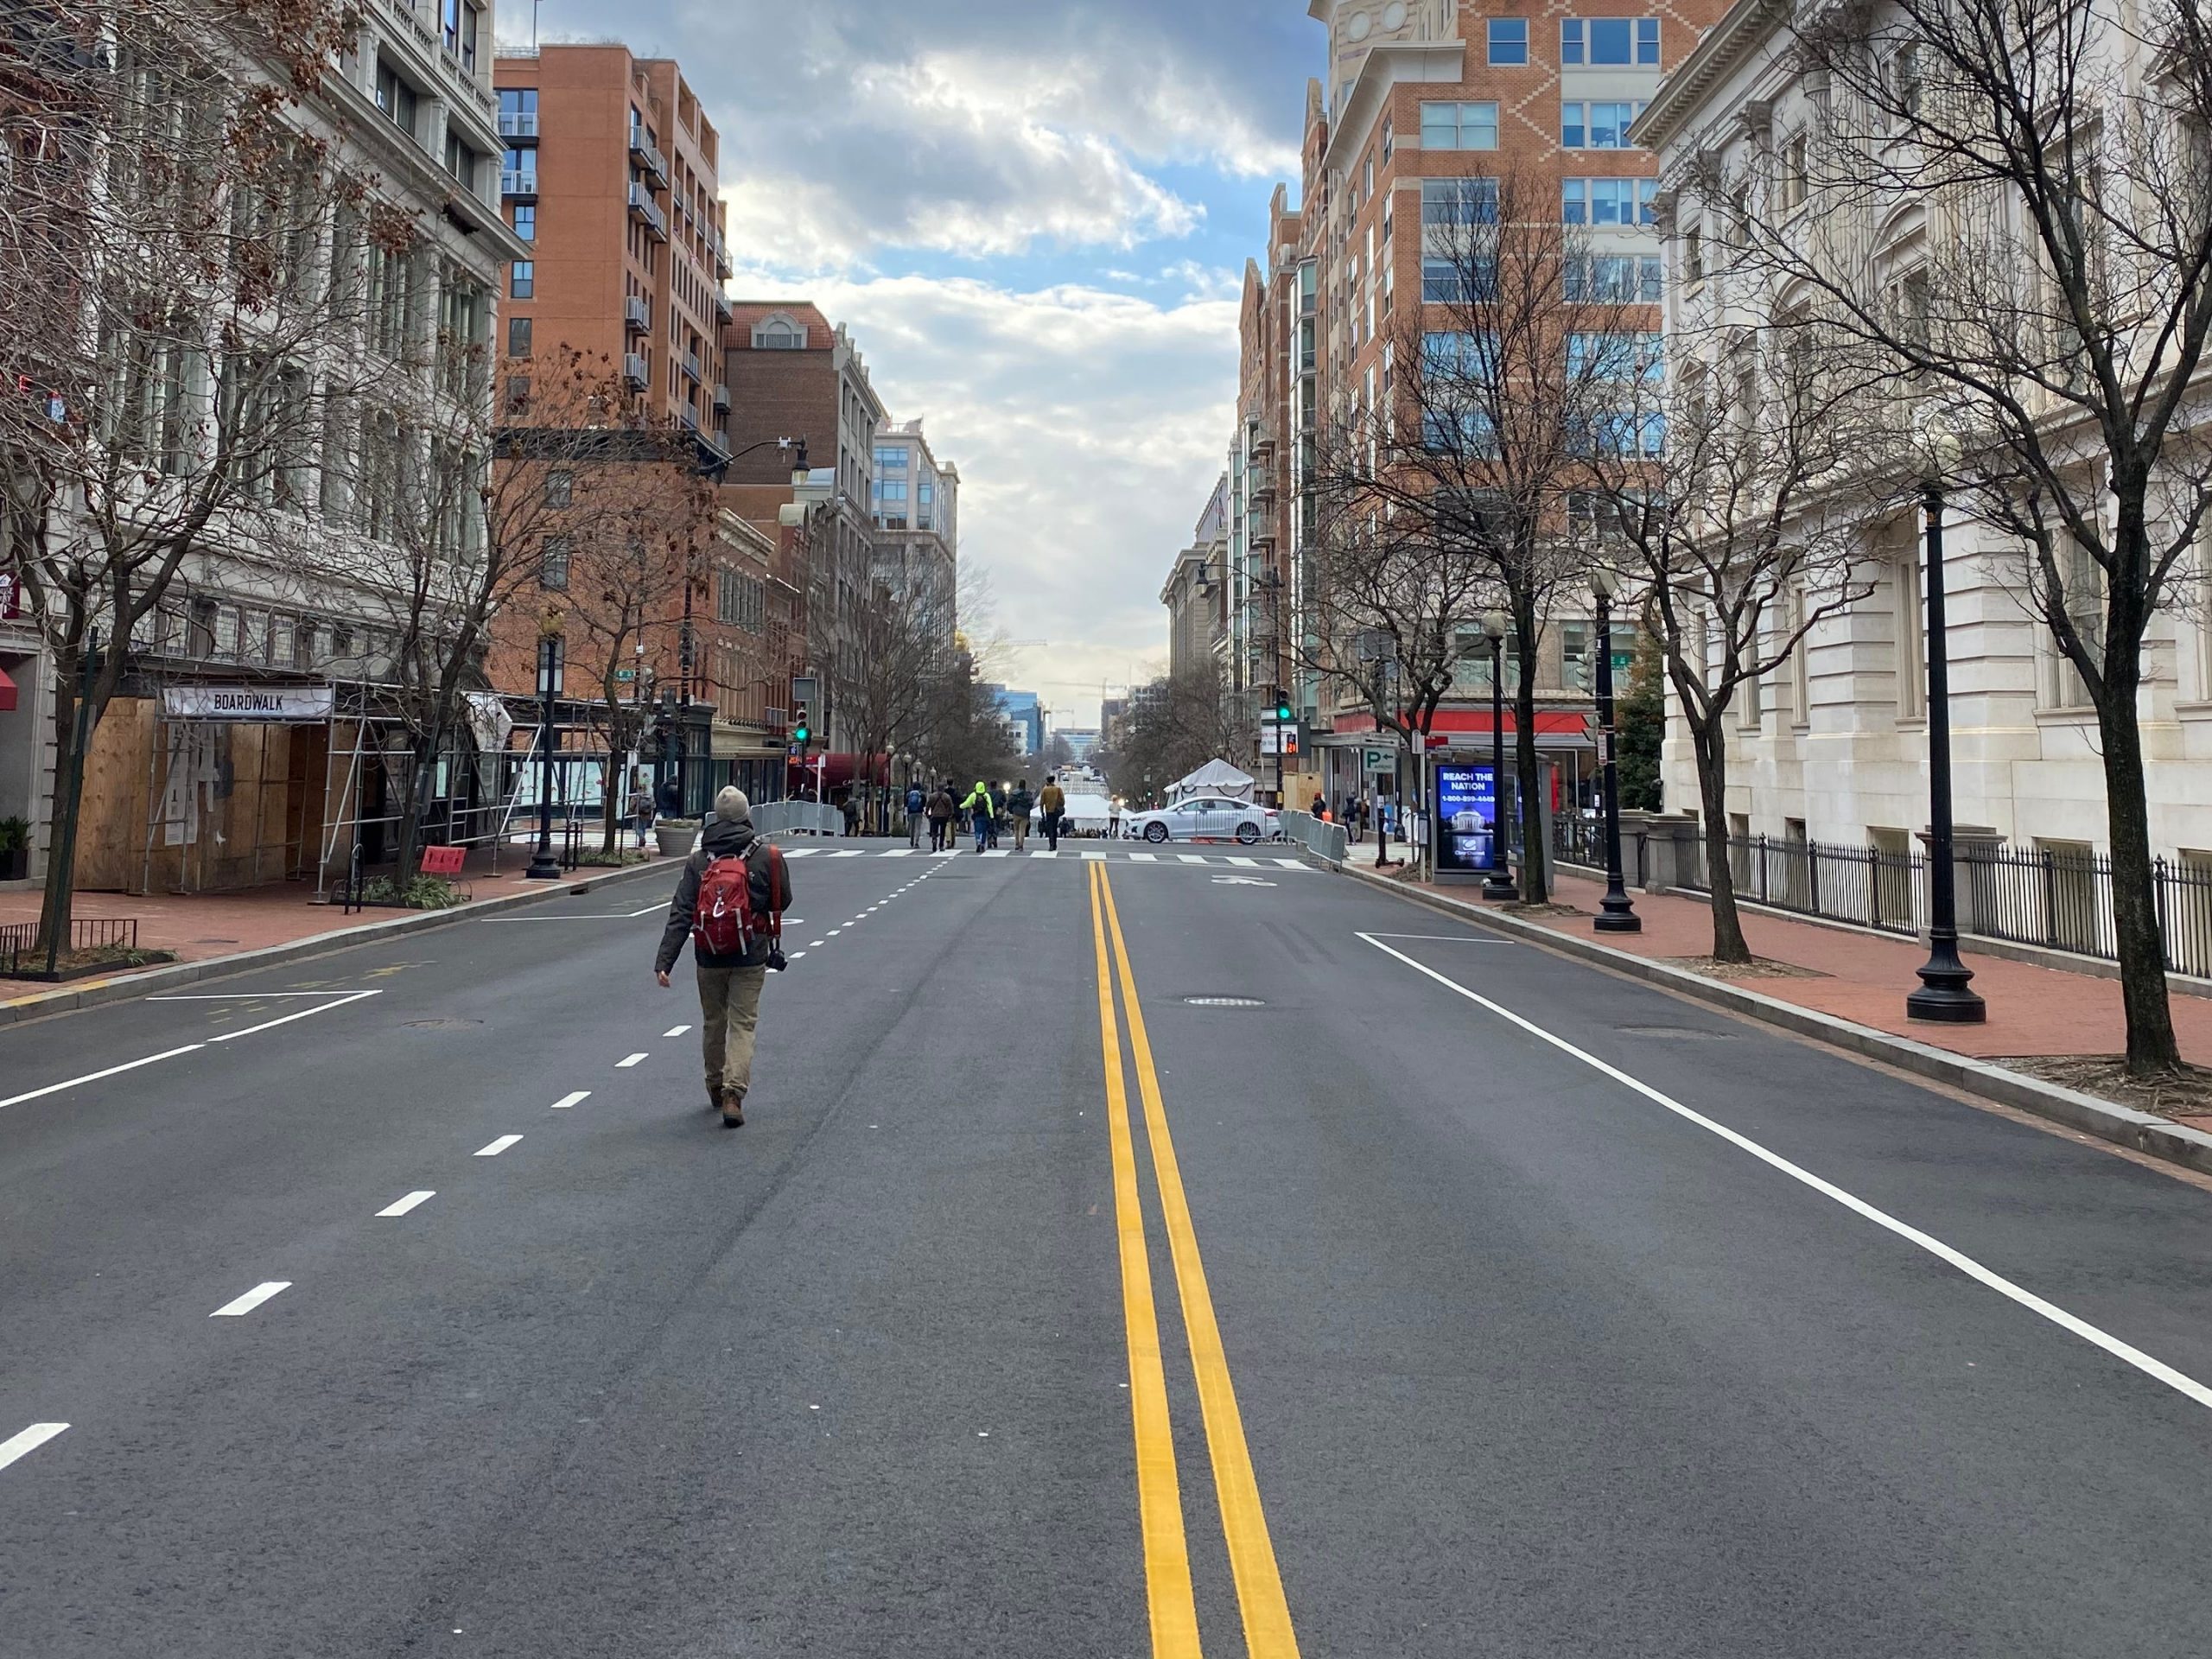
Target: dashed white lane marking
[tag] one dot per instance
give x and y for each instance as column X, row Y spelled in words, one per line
column 413, row 1201
column 251, row 1300
column 567, row 1101
column 25, row 1441
column 498, row 1146
column 629, row 1060
column 795, row 956
column 834, row 932
column 2179, row 1381
column 676, row 1031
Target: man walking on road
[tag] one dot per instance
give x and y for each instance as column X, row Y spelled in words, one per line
column 940, row 811
column 1017, row 808
column 1051, row 804
column 729, row 980
column 981, row 809
column 917, row 811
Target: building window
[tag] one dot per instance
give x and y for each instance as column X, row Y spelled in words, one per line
column 1615, row 277
column 1508, row 42
column 1596, row 125
column 1609, row 42
column 1911, row 646
column 1459, row 282
column 460, row 161
column 1609, row 201
column 890, row 460
column 778, row 333
column 1458, row 126
column 517, row 336
column 1693, row 254
column 553, row 563
column 1796, row 172
column 522, row 279
column 559, row 488
column 526, row 220
column 396, row 99
column 1459, row 201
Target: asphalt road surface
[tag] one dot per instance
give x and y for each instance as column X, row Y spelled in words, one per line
column 1122, row 1256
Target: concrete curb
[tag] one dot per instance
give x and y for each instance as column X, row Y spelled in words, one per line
column 2121, row 1125
column 94, row 992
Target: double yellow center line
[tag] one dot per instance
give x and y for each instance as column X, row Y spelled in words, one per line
column 1267, row 1633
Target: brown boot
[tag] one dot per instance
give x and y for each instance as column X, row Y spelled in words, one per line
column 733, row 1109
column 713, row 1096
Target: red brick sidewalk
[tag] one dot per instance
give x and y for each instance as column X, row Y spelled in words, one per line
column 199, row 926
column 1864, row 979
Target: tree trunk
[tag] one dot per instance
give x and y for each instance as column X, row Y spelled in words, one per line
column 1536, row 888
column 1711, row 745
column 610, row 800
column 2152, row 1048
column 57, row 901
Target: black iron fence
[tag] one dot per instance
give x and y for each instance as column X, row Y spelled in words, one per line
column 22, row 947
column 1581, row 841
column 2055, row 899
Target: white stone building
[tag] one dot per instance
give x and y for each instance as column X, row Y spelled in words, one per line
column 1834, row 748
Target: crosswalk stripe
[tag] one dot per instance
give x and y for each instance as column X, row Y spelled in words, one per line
column 1189, row 858
column 1144, row 858
column 998, row 852
column 1246, row 863
column 1291, row 863
column 800, row 852
column 851, row 854
column 1100, row 857
column 1044, row 853
column 901, row 852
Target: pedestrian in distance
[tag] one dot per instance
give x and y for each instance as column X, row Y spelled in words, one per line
column 852, row 812
column 917, row 814
column 730, row 902
column 1321, row 806
column 1018, row 806
column 1052, row 807
column 940, row 811
column 979, row 808
column 641, row 811
column 1114, row 818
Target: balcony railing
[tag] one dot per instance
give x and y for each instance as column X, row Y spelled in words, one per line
column 643, row 152
column 637, row 314
column 689, row 416
column 648, row 212
column 692, row 365
column 517, row 181
column 518, row 123
column 635, row 371
column 723, row 308
column 721, row 397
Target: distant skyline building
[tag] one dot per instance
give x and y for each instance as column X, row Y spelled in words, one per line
column 1080, row 741
column 915, row 503
column 1024, row 711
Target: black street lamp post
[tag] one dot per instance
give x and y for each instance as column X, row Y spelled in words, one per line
column 1944, row 994
column 1615, row 914
column 543, row 864
column 1498, row 886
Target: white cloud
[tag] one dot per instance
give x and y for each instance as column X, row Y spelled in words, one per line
column 1088, row 428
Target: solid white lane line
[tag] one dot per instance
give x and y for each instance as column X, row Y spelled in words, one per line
column 567, row 1101
column 250, row 1300
column 676, row 1031
column 630, row 916
column 498, row 1146
column 286, row 1020
column 409, row 1202
column 627, row 1061
column 2179, row 1381
column 23, row 1443
column 1450, row 939
column 232, row 996
column 94, row 1076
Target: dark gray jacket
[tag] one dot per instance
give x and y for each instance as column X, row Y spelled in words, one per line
column 723, row 839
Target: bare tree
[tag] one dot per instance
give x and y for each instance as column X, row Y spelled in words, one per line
column 2011, row 202
column 186, row 312
column 1743, row 532
column 1175, row 726
column 1451, row 489
column 904, row 651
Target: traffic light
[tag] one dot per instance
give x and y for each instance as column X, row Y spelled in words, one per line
column 802, row 731
column 1282, row 708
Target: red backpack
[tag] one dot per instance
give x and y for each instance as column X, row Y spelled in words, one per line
column 725, row 923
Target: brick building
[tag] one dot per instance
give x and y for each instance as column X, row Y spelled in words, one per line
column 792, row 375
column 1425, row 106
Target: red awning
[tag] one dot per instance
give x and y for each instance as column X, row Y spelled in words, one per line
column 7, row 693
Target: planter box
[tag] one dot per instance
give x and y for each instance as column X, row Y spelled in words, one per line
column 675, row 839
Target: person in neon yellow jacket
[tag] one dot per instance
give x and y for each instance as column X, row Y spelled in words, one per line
column 982, row 809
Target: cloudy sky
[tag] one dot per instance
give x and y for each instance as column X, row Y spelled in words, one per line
column 1034, row 216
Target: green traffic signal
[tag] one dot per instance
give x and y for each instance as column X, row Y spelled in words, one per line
column 801, row 734
column 1282, row 712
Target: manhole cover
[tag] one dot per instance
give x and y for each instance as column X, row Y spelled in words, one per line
column 1225, row 1003
column 1676, row 1033
column 442, row 1024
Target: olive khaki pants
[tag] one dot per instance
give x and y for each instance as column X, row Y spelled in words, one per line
column 729, row 1009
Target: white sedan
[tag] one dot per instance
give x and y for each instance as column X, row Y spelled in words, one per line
column 1206, row 818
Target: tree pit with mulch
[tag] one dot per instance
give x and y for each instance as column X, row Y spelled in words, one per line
column 2186, row 1093
column 1757, row 967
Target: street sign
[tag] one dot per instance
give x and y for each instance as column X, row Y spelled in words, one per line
column 625, row 675
column 1378, row 759
column 273, row 705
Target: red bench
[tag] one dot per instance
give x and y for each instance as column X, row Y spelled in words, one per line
column 443, row 860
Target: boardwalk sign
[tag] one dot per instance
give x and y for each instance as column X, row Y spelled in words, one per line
column 293, row 705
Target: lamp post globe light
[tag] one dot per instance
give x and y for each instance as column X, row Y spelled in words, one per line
column 1498, row 886
column 1944, row 993
column 543, row 864
column 1615, row 914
